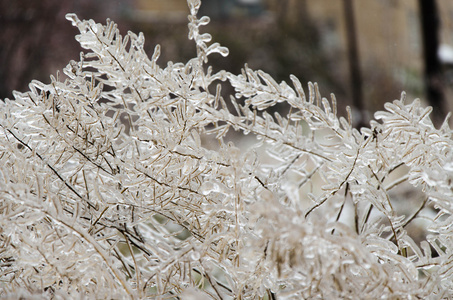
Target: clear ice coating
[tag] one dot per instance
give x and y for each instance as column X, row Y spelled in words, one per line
column 121, row 180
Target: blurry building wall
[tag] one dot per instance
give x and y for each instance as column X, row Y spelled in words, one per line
column 169, row 11
column 177, row 10
column 388, row 32
column 389, row 37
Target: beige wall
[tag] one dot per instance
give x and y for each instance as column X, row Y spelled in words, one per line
column 161, row 10
column 389, row 38
column 162, row 5
column 388, row 30
column 446, row 15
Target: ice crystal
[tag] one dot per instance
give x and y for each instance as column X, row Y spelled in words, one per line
column 108, row 188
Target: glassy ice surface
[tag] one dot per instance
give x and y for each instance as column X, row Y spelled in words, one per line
column 108, row 188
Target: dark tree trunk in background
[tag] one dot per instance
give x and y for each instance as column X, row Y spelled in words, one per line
column 430, row 26
column 354, row 63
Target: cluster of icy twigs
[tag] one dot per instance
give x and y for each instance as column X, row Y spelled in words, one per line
column 118, row 179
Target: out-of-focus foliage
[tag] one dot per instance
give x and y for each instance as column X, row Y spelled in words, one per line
column 117, row 180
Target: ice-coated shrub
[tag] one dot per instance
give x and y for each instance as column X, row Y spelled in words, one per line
column 119, row 179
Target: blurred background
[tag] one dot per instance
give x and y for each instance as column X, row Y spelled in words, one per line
column 366, row 52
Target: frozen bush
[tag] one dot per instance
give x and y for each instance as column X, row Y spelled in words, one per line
column 118, row 179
